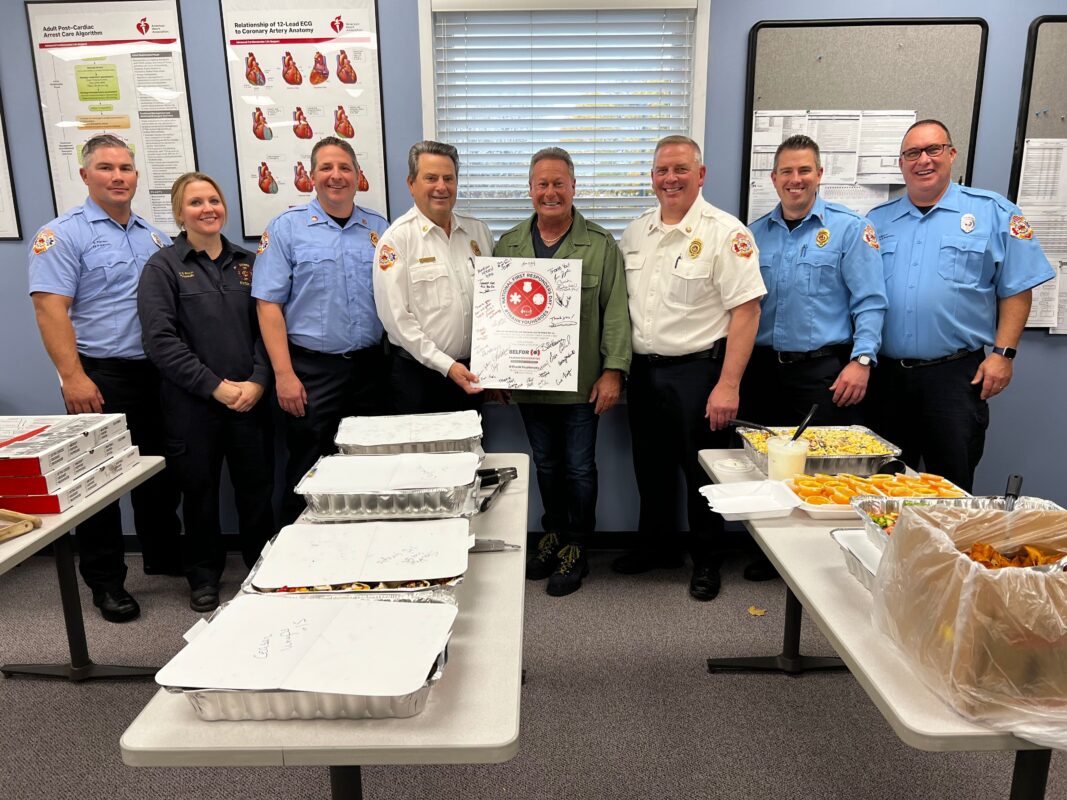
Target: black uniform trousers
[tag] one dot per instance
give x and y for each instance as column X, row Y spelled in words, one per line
column 933, row 414
column 417, row 389
column 337, row 385
column 200, row 433
column 773, row 393
column 666, row 401
column 131, row 387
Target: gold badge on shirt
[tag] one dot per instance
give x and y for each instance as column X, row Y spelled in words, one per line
column 45, row 239
column 374, row 238
column 822, row 237
column 475, row 248
column 870, row 237
column 741, row 244
column 696, row 247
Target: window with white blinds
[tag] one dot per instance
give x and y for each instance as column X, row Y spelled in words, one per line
column 605, row 85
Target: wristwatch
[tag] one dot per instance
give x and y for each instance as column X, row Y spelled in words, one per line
column 863, row 361
column 1007, row 352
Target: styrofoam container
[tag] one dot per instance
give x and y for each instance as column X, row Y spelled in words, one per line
column 861, row 555
column 727, row 470
column 450, row 432
column 869, row 506
column 750, row 500
column 405, row 486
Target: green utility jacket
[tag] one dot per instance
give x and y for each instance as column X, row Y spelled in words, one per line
column 604, row 332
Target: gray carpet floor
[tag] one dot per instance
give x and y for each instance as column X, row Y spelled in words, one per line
column 617, row 702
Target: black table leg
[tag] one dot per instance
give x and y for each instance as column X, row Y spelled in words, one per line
column 1030, row 775
column 81, row 667
column 789, row 660
column 346, row 783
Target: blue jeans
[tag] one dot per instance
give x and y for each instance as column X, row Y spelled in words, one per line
column 563, row 440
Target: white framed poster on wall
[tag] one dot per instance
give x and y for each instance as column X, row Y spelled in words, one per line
column 114, row 67
column 297, row 74
column 9, row 212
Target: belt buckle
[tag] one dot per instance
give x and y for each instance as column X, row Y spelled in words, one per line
column 905, row 365
column 784, row 363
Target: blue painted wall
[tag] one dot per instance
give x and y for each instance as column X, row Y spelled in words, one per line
column 1026, row 435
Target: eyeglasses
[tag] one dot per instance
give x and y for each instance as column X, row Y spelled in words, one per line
column 932, row 150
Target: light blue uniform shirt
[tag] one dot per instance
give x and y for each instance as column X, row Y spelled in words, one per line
column 87, row 256
column 321, row 274
column 820, row 295
column 945, row 271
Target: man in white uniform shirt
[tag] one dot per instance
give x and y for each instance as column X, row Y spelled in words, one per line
column 423, row 288
column 693, row 278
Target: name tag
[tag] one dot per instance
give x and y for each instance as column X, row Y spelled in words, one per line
column 427, row 260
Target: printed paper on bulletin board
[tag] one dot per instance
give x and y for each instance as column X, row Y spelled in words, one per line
column 118, row 68
column 298, row 73
column 9, row 216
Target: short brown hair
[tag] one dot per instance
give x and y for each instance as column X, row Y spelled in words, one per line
column 798, row 141
column 177, row 192
column 333, row 141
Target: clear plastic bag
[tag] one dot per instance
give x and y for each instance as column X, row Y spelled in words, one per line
column 991, row 642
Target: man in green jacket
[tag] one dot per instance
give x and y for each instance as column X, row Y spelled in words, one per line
column 562, row 426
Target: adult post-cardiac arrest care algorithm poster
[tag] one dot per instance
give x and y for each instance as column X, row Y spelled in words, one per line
column 118, row 68
column 297, row 74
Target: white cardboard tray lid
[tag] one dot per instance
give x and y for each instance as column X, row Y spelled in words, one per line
column 311, row 555
column 336, row 645
column 407, row 471
column 749, row 497
column 406, row 428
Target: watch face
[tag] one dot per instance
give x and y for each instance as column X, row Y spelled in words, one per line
column 863, row 361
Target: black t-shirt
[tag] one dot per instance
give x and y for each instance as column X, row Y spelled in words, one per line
column 542, row 250
column 924, row 210
column 792, row 224
column 342, row 221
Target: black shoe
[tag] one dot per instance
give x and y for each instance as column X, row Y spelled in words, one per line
column 705, row 583
column 761, row 570
column 116, row 605
column 204, row 598
column 638, row 561
column 544, row 562
column 568, row 576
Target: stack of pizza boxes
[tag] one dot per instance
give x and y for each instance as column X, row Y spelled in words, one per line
column 48, row 464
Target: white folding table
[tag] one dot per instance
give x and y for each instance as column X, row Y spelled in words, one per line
column 813, row 568
column 54, row 531
column 471, row 716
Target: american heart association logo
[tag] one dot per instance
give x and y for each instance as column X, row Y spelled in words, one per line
column 337, row 24
column 143, row 27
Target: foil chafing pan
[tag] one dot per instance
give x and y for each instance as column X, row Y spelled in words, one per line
column 411, row 433
column 868, row 506
column 231, row 704
column 860, row 465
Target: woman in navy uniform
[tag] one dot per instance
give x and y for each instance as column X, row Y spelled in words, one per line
column 200, row 329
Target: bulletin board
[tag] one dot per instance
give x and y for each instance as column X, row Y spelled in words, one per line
column 932, row 66
column 1043, row 99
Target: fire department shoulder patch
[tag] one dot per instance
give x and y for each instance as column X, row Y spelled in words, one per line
column 1020, row 228
column 870, row 237
column 742, row 245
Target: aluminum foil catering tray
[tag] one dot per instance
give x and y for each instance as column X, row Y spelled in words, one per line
column 323, row 657
column 862, row 465
column 404, row 486
column 450, row 432
column 235, row 704
column 869, row 507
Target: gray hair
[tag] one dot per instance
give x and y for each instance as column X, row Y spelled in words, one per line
column 430, row 148
column 100, row 141
column 333, row 141
column 552, row 154
column 798, row 141
column 666, row 141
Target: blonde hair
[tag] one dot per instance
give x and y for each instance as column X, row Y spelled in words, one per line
column 177, row 192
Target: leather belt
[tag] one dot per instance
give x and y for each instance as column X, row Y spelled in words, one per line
column 792, row 357
column 374, row 348
column 713, row 353
column 910, row 363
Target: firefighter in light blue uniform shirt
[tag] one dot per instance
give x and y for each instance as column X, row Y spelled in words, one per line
column 821, row 320
column 959, row 267
column 84, row 269
column 315, row 299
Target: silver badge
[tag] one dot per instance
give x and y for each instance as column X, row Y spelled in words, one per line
column 967, row 223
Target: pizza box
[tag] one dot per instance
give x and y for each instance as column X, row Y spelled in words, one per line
column 68, row 473
column 82, row 488
column 39, row 445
